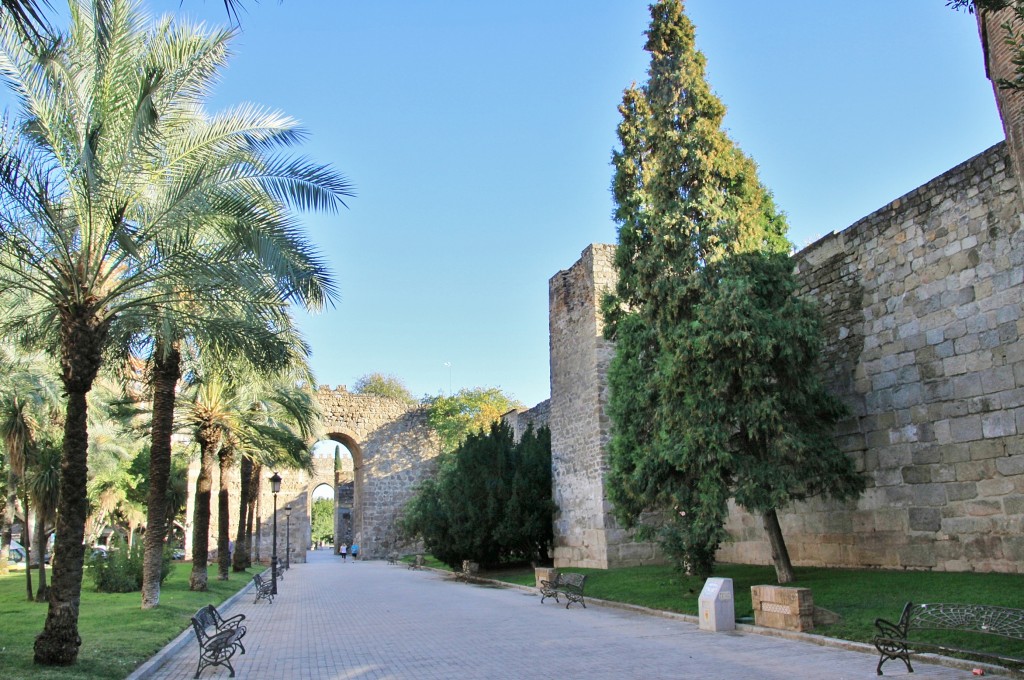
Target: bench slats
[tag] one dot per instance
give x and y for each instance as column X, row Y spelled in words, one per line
column 897, row 641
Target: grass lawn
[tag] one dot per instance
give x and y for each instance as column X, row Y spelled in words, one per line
column 858, row 595
column 116, row 634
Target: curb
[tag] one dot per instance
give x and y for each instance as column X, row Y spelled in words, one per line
column 157, row 660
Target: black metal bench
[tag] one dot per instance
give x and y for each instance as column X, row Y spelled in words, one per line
column 570, row 584
column 264, row 588
column 392, row 558
column 899, row 640
column 218, row 638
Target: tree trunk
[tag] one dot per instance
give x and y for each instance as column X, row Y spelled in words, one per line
column 241, row 556
column 166, row 373
column 58, row 643
column 780, row 555
column 82, row 338
column 41, row 549
column 257, row 479
column 26, row 543
column 10, row 517
column 223, row 510
column 209, row 440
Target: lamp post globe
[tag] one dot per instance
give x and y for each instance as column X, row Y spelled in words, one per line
column 275, row 487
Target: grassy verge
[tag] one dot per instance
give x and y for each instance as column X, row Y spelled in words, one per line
column 116, row 634
column 859, row 596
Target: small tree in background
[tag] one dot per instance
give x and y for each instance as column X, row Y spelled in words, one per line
column 382, row 385
column 469, row 410
column 322, row 520
column 489, row 502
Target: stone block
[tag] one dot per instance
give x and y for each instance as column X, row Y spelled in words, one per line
column 1013, row 505
column 1011, row 465
column 998, row 486
column 925, row 519
column 783, row 608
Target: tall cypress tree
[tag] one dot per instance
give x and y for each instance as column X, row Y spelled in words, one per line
column 714, row 393
column 686, row 197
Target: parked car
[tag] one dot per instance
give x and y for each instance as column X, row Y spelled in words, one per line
column 17, row 552
column 178, row 554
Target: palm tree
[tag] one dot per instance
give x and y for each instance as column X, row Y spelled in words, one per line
column 235, row 410
column 27, row 17
column 28, row 401
column 43, row 483
column 87, row 231
column 275, row 430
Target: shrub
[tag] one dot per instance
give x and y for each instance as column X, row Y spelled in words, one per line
column 490, row 501
column 119, row 570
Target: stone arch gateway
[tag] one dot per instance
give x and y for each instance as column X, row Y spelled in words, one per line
column 393, row 448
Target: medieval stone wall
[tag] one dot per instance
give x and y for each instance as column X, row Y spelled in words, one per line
column 923, row 303
column 520, row 419
column 923, row 307
column 586, row 533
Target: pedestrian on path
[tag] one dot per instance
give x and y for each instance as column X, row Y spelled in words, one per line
column 344, row 551
column 355, row 551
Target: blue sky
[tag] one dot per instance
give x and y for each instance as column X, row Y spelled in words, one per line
column 479, row 135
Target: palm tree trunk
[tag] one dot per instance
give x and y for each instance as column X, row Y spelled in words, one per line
column 166, row 373
column 223, row 523
column 58, row 643
column 241, row 555
column 26, row 542
column 83, row 335
column 209, row 440
column 780, row 555
column 41, row 548
column 257, row 477
column 10, row 503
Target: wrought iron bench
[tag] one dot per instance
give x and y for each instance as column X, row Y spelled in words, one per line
column 898, row 640
column 392, row 558
column 219, row 638
column 264, row 588
column 417, row 563
column 570, row 584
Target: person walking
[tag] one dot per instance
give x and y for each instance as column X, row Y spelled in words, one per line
column 344, row 551
column 355, row 551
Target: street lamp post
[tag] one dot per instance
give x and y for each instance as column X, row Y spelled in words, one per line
column 287, row 536
column 275, row 486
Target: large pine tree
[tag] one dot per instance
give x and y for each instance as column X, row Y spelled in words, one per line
column 695, row 226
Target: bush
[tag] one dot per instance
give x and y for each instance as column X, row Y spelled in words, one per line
column 490, row 501
column 119, row 570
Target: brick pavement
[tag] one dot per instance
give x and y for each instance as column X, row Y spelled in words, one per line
column 373, row 621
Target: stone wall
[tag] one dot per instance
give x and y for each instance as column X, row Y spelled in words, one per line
column 923, row 309
column 586, row 534
column 520, row 419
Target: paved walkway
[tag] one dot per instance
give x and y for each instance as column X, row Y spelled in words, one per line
column 369, row 620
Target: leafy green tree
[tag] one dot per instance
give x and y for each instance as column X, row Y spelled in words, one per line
column 323, row 520
column 685, row 196
column 382, row 385
column 490, row 501
column 455, row 417
column 748, row 396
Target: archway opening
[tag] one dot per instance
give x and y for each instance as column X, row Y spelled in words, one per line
column 344, row 494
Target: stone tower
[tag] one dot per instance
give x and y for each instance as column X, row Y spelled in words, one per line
column 999, row 65
column 586, row 533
